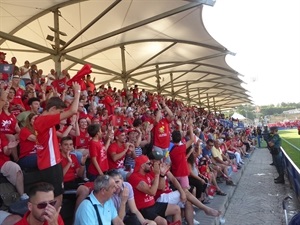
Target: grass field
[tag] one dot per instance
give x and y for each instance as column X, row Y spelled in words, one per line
column 292, row 137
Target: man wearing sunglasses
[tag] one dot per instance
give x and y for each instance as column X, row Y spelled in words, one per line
column 41, row 208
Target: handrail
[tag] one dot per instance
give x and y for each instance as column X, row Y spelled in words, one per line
column 292, row 172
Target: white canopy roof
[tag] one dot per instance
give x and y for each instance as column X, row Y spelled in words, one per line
column 238, row 116
column 161, row 45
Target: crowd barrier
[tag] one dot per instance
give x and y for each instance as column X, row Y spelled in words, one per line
column 293, row 173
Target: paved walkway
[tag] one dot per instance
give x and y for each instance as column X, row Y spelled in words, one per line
column 256, row 200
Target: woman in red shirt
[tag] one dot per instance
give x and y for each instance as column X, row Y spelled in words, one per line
column 28, row 157
column 9, row 126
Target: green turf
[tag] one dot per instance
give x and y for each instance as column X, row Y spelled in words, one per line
column 292, row 137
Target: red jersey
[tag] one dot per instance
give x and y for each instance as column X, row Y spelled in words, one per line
column 116, row 120
column 3, row 143
column 97, row 149
column 8, row 123
column 107, row 101
column 71, row 174
column 82, row 141
column 142, row 200
column 13, row 106
column 115, row 148
column 179, row 163
column 162, row 135
column 19, row 93
column 59, row 85
column 23, row 221
column 26, row 147
column 48, row 153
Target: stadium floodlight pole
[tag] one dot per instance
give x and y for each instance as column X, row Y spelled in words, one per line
column 204, row 2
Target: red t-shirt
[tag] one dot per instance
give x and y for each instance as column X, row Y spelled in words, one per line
column 48, row 153
column 115, row 148
column 59, row 85
column 19, row 93
column 142, row 200
column 23, row 221
column 107, row 101
column 179, row 163
column 82, row 141
column 26, row 147
column 116, row 120
column 7, row 123
column 3, row 142
column 162, row 135
column 71, row 174
column 13, row 106
column 97, row 149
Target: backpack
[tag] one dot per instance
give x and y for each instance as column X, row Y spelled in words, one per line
column 8, row 193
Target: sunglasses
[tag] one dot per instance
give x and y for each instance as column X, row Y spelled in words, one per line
column 149, row 163
column 43, row 205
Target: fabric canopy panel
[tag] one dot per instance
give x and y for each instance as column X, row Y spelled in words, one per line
column 238, row 116
column 162, row 46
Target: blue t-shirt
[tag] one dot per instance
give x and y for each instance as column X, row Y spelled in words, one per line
column 87, row 215
column 206, row 152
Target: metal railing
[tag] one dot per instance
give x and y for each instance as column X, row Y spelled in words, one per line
column 292, row 172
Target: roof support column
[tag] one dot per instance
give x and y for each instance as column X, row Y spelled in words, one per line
column 208, row 106
column 199, row 98
column 158, row 79
column 214, row 102
column 172, row 86
column 124, row 77
column 57, row 57
column 188, row 93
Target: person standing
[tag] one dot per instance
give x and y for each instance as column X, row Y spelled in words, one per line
column 274, row 143
column 259, row 136
column 48, row 153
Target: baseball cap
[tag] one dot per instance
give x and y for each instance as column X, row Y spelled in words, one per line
column 118, row 132
column 139, row 161
column 155, row 155
column 2, row 53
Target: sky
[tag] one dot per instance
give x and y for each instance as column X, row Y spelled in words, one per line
column 265, row 35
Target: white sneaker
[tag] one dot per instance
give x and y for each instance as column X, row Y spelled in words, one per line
column 196, row 222
column 24, row 196
column 242, row 162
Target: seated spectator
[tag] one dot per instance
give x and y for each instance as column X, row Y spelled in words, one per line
column 124, row 201
column 9, row 124
column 73, row 171
column 16, row 105
column 135, row 138
column 34, row 106
column 180, row 197
column 197, row 181
column 9, row 169
column 97, row 152
column 28, row 157
column 99, row 205
column 232, row 150
column 82, row 140
column 145, row 185
column 41, row 208
column 207, row 153
column 217, row 158
column 7, row 218
column 117, row 150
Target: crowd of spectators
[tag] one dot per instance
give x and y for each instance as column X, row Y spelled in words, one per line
column 149, row 142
